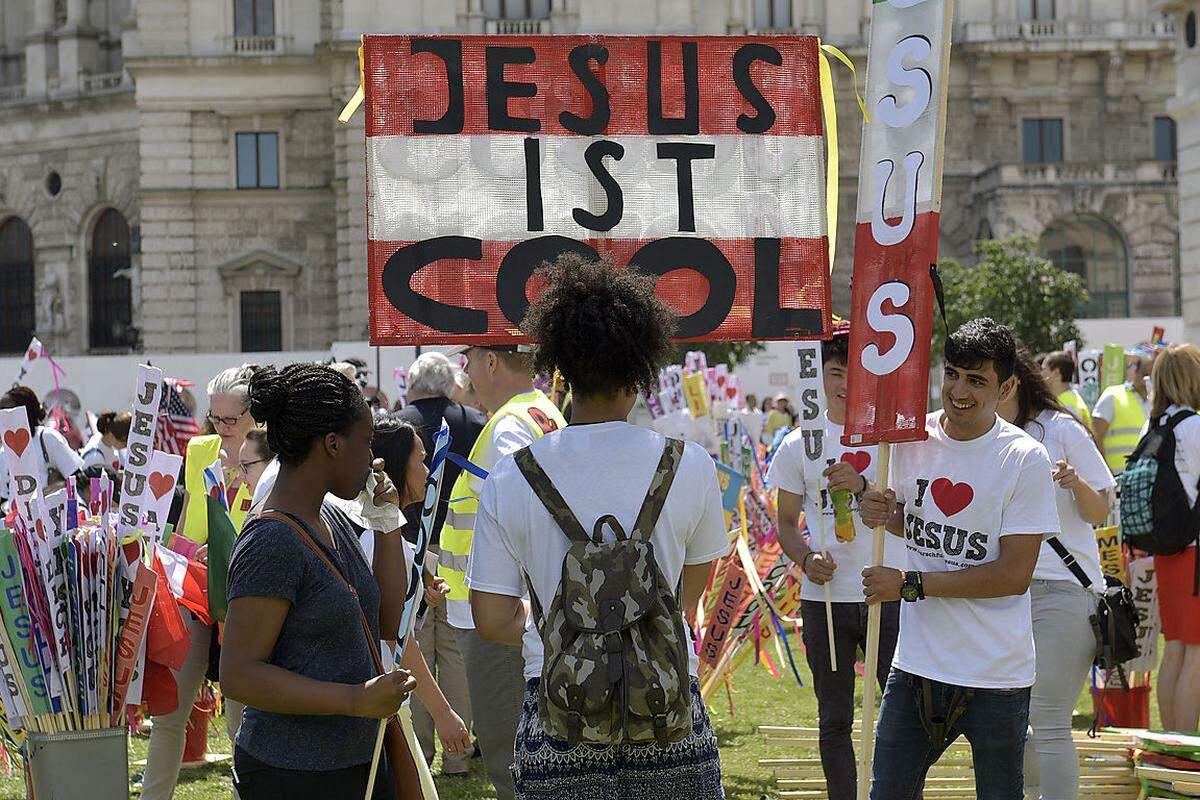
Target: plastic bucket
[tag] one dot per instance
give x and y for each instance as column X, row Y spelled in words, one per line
column 78, row 764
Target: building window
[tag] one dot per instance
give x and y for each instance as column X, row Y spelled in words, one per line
column 1036, row 10
column 258, row 160
column 1165, row 148
column 772, row 14
column 516, row 9
column 984, row 231
column 1042, row 141
column 16, row 285
column 1189, row 29
column 262, row 322
column 253, row 17
column 1094, row 250
column 110, row 306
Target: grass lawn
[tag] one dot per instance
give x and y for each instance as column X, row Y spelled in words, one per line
column 758, row 699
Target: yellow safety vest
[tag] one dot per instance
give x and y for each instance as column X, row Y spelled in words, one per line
column 1126, row 427
column 1074, row 401
column 540, row 415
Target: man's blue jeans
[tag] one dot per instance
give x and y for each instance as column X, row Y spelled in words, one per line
column 994, row 721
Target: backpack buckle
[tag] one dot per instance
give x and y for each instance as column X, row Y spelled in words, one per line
column 614, row 655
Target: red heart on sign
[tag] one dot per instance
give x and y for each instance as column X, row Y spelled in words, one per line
column 17, row 441
column 860, row 460
column 32, row 354
column 951, row 497
column 161, row 483
column 731, row 392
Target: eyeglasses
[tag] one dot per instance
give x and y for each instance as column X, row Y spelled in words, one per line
column 228, row 422
column 244, row 466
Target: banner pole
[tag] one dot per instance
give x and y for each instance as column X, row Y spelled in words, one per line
column 871, row 664
column 825, row 586
column 375, row 759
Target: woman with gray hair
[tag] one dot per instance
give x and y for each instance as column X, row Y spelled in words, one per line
column 229, row 414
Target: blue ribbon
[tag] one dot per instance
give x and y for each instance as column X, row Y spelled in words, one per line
column 467, row 465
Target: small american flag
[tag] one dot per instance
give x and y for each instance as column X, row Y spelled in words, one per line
column 176, row 425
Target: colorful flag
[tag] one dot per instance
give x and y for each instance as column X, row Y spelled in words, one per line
column 176, row 425
column 32, row 353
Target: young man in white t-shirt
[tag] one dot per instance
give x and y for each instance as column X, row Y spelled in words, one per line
column 607, row 334
column 839, row 564
column 973, row 503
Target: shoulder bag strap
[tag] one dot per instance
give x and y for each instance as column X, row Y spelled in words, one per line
column 42, row 443
column 660, row 486
column 546, row 492
column 1068, row 559
column 305, row 537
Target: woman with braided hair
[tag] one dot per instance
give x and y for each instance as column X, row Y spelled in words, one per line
column 306, row 610
column 608, row 334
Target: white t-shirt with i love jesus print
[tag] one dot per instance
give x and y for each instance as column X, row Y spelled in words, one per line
column 960, row 499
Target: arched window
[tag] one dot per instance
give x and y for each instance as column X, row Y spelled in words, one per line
column 16, row 285
column 1093, row 249
column 110, row 307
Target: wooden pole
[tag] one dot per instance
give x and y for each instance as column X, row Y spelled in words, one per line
column 825, row 586
column 867, row 737
column 375, row 760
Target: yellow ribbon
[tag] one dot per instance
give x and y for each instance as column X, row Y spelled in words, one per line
column 356, row 100
column 829, row 107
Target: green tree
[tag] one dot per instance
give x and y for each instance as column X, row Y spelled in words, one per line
column 731, row 353
column 1014, row 285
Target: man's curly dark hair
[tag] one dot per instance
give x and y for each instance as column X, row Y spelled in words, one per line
column 602, row 329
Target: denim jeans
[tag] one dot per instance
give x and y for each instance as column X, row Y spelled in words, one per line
column 994, row 722
column 835, row 690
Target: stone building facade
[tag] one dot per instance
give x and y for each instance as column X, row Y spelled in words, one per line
column 1185, row 107
column 173, row 177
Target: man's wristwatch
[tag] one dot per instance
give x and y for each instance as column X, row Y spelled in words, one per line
column 912, row 590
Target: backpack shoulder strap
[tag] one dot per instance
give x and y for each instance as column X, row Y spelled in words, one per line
column 1179, row 417
column 660, row 486
column 546, row 492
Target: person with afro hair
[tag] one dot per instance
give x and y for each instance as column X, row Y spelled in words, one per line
column 607, row 334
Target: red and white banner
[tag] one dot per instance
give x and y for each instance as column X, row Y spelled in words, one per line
column 699, row 160
column 896, row 232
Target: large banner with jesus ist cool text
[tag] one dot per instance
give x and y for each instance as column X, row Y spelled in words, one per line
column 698, row 160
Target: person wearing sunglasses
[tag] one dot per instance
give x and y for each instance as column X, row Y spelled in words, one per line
column 229, row 415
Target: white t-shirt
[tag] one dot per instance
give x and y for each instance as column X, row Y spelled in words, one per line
column 1187, row 450
column 791, row 472
column 96, row 452
column 599, row 469
column 61, row 456
column 1065, row 439
column 960, row 499
column 1106, row 406
column 509, row 435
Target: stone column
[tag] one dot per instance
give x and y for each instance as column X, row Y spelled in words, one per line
column 39, row 52
column 78, row 47
column 1185, row 108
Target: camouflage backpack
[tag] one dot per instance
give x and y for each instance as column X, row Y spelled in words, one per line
column 615, row 663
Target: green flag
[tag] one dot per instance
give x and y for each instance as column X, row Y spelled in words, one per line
column 18, row 626
column 221, row 537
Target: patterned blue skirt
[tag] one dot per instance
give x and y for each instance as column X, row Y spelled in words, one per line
column 549, row 769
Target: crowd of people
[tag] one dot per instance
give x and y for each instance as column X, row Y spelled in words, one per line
column 568, row 553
